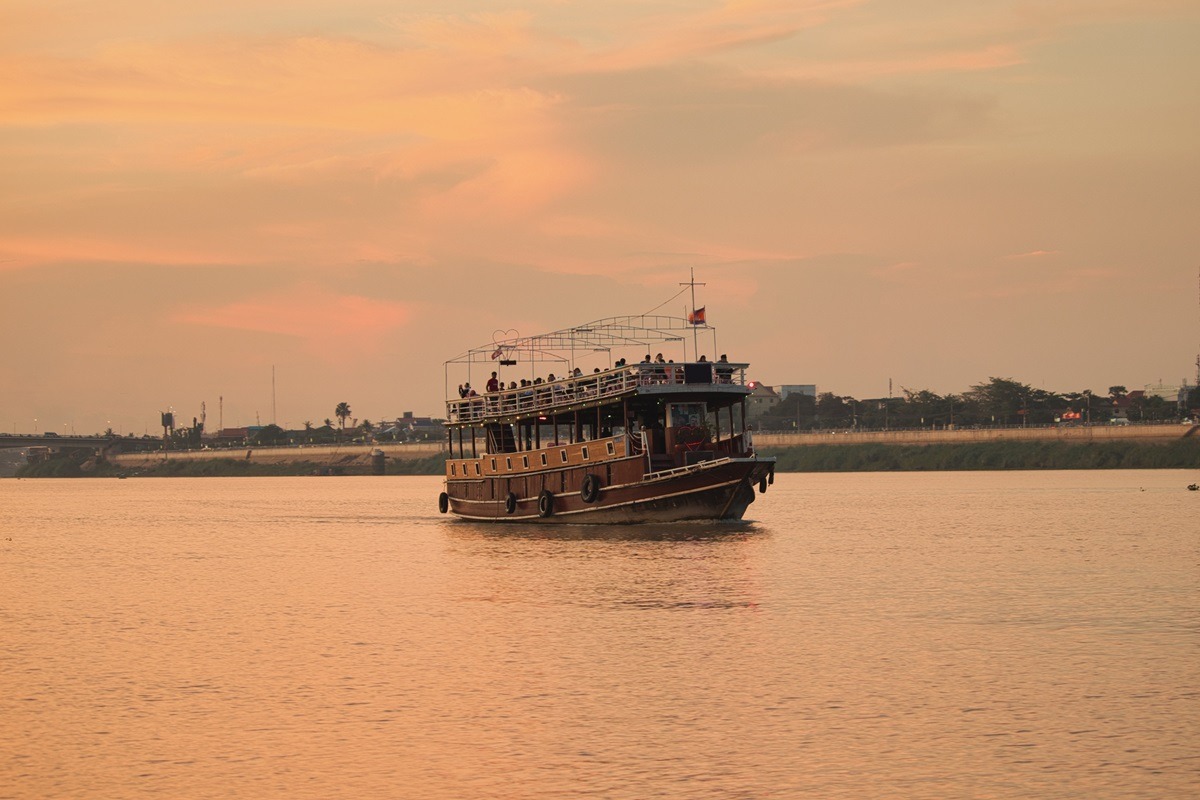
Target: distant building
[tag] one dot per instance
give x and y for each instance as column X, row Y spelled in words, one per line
column 1173, row 393
column 410, row 428
column 762, row 398
column 228, row 436
column 1122, row 405
column 797, row 388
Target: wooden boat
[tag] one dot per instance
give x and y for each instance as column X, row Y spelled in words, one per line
column 622, row 443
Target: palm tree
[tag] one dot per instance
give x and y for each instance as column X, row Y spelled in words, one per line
column 328, row 422
column 342, row 412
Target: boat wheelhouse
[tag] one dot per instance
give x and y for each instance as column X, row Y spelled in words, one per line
column 650, row 441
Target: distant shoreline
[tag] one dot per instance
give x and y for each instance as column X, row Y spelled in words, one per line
column 992, row 455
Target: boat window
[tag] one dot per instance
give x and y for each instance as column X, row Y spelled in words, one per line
column 508, row 463
column 493, row 465
column 477, row 470
column 564, row 455
column 611, row 449
column 544, row 459
column 585, row 453
column 453, row 466
column 525, row 462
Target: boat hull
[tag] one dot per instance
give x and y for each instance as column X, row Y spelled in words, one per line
column 716, row 490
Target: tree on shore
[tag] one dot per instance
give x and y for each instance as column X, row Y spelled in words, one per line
column 342, row 412
column 1000, row 398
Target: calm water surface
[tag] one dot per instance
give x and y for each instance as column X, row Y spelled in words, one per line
column 1000, row 635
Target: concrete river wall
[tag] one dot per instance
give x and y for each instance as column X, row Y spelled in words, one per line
column 1081, row 434
column 332, row 455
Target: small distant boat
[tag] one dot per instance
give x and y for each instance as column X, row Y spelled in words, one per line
column 649, row 441
column 1193, row 487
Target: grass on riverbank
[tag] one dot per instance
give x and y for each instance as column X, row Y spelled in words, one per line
column 225, row 467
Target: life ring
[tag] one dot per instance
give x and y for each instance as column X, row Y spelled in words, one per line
column 443, row 502
column 762, row 485
column 590, row 491
column 545, row 503
column 510, row 503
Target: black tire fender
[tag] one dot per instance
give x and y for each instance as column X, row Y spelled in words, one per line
column 545, row 503
column 510, row 503
column 443, row 502
column 590, row 491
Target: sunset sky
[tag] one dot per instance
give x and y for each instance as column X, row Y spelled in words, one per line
column 357, row 191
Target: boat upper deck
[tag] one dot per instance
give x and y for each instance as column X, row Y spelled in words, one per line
column 597, row 388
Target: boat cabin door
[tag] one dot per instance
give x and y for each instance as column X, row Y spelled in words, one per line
column 686, row 427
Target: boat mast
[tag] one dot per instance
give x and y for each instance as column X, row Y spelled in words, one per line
column 692, row 317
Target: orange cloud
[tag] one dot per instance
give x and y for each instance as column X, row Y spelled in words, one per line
column 330, row 325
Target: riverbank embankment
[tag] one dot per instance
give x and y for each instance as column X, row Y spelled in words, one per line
column 1112, row 447
column 1072, row 434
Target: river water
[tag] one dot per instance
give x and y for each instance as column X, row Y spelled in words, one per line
column 942, row 635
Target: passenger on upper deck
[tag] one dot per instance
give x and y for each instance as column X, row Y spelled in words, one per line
column 493, row 385
column 462, row 392
column 660, row 373
column 724, row 373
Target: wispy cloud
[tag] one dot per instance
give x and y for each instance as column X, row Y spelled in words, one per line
column 1033, row 254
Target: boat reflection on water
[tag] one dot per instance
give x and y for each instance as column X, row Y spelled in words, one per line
column 692, row 531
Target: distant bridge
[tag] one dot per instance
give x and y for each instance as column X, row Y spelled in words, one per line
column 123, row 443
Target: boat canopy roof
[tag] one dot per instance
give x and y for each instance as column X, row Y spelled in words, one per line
column 639, row 332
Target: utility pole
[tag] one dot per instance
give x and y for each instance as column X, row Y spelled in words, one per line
column 887, row 408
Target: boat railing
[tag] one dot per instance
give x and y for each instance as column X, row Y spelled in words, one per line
column 545, row 397
column 687, row 468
